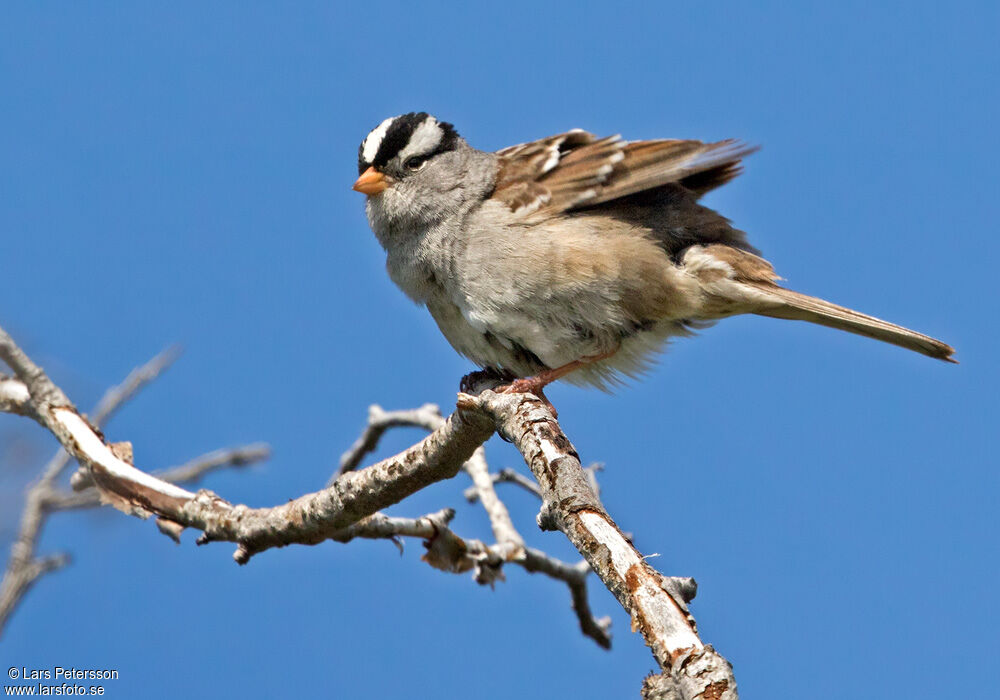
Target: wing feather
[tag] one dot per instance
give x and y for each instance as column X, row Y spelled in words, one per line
column 577, row 169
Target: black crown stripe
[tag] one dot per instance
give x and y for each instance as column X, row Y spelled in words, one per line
column 398, row 135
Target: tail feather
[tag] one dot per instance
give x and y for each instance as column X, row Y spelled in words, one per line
column 800, row 307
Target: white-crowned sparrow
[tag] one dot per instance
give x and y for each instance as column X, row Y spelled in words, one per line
column 573, row 256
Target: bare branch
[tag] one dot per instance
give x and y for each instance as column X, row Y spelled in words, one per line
column 445, row 550
column 427, row 417
column 657, row 605
column 13, row 395
column 43, row 498
column 196, row 469
column 112, row 400
column 575, row 576
column 18, row 580
column 188, row 473
column 40, row 387
column 378, row 526
column 571, row 505
column 505, row 476
column 510, row 545
column 309, row 519
column 136, row 380
column 591, row 471
column 503, row 526
column 448, row 552
column 306, row 520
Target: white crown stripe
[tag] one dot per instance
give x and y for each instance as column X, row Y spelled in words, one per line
column 425, row 139
column 374, row 140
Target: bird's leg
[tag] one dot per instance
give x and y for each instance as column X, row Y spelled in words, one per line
column 535, row 385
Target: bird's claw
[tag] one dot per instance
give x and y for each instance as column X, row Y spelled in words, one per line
column 471, row 382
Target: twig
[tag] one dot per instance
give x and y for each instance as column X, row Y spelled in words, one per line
column 44, row 498
column 427, row 417
column 512, row 476
column 510, row 545
column 13, row 395
column 575, row 576
column 193, row 471
column 591, row 471
column 506, row 476
column 189, row 473
column 445, row 550
column 137, row 379
column 503, row 527
column 449, row 552
column 23, row 569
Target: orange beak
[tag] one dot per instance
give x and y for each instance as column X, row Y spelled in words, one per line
column 371, row 182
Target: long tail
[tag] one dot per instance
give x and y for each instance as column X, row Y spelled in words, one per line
column 801, row 307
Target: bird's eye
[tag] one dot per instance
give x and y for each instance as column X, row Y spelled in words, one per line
column 415, row 163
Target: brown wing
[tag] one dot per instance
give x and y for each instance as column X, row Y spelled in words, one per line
column 577, row 169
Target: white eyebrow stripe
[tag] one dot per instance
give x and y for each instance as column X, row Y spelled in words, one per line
column 425, row 139
column 374, row 140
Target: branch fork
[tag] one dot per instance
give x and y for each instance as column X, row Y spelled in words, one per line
column 349, row 507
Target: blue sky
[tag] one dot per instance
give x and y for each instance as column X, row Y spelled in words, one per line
column 181, row 173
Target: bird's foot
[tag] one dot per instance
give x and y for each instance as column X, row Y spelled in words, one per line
column 471, row 383
column 535, row 385
column 525, row 385
column 531, row 385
